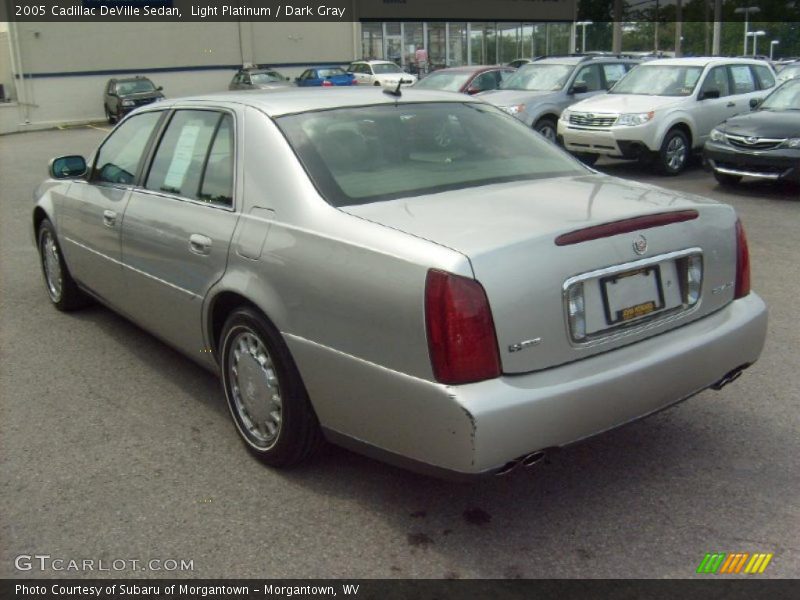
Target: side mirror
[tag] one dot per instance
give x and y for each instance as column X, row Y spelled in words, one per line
column 160, row 88
column 709, row 94
column 287, row 79
column 297, row 80
column 473, row 89
column 65, row 167
column 755, row 102
column 579, row 88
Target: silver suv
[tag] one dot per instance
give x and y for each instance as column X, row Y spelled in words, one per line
column 538, row 92
column 664, row 109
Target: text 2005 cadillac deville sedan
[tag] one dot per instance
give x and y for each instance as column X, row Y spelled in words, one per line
column 419, row 277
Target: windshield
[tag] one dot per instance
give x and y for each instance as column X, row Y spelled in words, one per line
column 330, row 72
column 449, row 82
column 135, row 86
column 786, row 97
column 266, row 77
column 659, row 80
column 789, row 72
column 384, row 68
column 367, row 154
column 538, row 78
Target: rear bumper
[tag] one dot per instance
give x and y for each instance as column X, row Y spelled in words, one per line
column 477, row 428
column 768, row 164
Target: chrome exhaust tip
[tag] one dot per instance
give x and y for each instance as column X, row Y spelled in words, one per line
column 507, row 468
column 729, row 377
column 532, row 459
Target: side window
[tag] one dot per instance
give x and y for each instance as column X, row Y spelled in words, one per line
column 743, row 82
column 717, row 79
column 484, row 81
column 590, row 75
column 120, row 155
column 217, row 182
column 613, row 73
column 352, row 68
column 764, row 75
column 178, row 164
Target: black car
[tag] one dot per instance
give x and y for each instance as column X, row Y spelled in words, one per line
column 764, row 143
column 123, row 95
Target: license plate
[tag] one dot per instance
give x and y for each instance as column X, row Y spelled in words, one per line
column 632, row 295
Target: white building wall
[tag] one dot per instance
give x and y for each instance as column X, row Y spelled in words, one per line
column 66, row 65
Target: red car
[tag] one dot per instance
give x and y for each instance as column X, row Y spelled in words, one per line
column 467, row 80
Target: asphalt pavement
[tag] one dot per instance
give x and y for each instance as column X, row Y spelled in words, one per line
column 114, row 447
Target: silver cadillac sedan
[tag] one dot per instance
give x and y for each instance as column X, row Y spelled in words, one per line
column 412, row 275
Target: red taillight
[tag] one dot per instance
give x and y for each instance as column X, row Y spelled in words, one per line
column 742, row 263
column 461, row 337
column 354, row 81
column 327, row 83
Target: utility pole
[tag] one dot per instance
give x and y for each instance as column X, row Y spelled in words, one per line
column 717, row 27
column 678, row 28
column 616, row 43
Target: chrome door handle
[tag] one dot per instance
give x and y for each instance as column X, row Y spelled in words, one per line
column 109, row 218
column 199, row 244
column 730, row 104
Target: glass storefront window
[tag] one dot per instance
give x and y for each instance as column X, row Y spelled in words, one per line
column 437, row 48
column 412, row 40
column 509, row 42
column 483, row 44
column 457, row 44
column 372, row 41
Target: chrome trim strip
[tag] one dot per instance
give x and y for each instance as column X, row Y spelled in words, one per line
column 616, row 332
column 759, row 140
column 122, row 264
column 771, row 176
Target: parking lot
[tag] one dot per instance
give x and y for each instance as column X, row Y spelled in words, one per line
column 115, row 447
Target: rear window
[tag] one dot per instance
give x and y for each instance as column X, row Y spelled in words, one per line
column 367, row 154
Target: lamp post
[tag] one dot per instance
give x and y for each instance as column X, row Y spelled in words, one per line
column 755, row 35
column 583, row 25
column 772, row 45
column 747, row 10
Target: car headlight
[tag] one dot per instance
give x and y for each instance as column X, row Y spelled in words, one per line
column 127, row 103
column 514, row 110
column 717, row 136
column 635, row 118
column 792, row 143
column 565, row 116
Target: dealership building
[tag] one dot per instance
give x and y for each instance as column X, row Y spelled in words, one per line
column 54, row 72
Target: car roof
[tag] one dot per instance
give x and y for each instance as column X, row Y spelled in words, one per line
column 702, row 61
column 284, row 101
column 373, row 62
column 582, row 58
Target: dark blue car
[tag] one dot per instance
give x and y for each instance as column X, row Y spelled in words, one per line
column 325, row 77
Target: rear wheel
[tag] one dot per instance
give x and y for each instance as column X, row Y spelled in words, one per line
column 547, row 127
column 674, row 153
column 62, row 289
column 266, row 396
column 109, row 117
column 726, row 180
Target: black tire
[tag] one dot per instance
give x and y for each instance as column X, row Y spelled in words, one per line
column 547, row 128
column 726, row 180
column 376, row 83
column 265, row 368
column 109, row 117
column 674, row 153
column 586, row 158
column 64, row 293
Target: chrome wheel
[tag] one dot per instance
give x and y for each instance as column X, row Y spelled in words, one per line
column 255, row 388
column 548, row 131
column 676, row 153
column 51, row 262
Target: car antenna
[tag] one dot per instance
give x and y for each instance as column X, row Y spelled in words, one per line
column 396, row 91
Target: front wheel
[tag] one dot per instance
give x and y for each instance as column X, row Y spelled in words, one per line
column 726, row 180
column 266, row 396
column 674, row 153
column 109, row 117
column 62, row 289
column 547, row 127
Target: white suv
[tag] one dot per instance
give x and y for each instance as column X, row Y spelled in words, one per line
column 380, row 72
column 665, row 108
